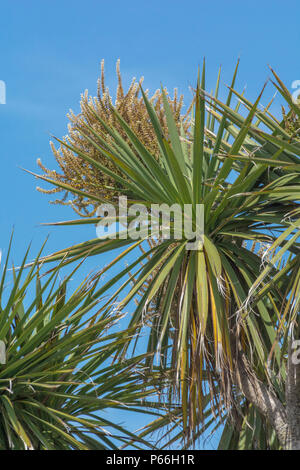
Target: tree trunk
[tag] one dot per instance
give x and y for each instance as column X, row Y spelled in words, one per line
column 293, row 398
column 262, row 398
column 284, row 419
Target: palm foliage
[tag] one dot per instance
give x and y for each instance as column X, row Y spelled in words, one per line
column 226, row 310
column 57, row 384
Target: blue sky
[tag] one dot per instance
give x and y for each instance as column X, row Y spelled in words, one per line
column 50, row 52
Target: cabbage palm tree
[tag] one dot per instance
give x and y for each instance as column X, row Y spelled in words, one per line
column 224, row 310
column 57, row 382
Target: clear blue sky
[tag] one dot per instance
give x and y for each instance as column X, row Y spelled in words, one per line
column 50, row 52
